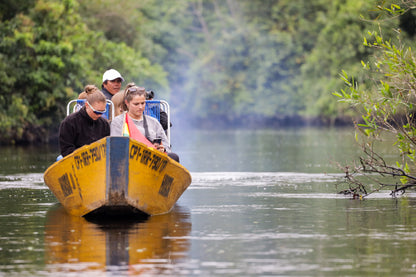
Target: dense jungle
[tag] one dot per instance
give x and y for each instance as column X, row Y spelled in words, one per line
column 243, row 63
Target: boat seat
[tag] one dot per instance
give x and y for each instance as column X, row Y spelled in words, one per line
column 154, row 107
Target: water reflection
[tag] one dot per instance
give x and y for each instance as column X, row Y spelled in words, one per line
column 73, row 244
column 26, row 159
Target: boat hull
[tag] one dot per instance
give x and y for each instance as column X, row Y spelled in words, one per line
column 117, row 173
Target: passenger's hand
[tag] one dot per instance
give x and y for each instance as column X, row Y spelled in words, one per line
column 159, row 147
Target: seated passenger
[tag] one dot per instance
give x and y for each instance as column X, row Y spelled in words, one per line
column 112, row 80
column 148, row 128
column 86, row 125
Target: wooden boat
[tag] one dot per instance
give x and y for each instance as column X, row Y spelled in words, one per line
column 116, row 175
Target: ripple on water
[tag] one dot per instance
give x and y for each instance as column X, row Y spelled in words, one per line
column 28, row 181
column 263, row 177
column 298, row 185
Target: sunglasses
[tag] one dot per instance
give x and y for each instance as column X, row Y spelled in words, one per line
column 134, row 89
column 95, row 111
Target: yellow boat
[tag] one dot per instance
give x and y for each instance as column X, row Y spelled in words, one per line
column 117, row 175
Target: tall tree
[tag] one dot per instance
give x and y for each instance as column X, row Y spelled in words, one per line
column 39, row 67
column 46, row 57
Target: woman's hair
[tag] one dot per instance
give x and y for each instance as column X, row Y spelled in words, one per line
column 130, row 91
column 94, row 94
column 82, row 95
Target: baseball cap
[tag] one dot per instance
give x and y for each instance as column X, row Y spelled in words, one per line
column 111, row 74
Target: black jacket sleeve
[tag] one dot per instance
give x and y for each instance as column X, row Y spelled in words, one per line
column 67, row 138
column 164, row 120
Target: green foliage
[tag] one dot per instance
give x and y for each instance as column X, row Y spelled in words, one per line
column 388, row 106
column 37, row 63
column 9, row 8
column 225, row 59
column 46, row 57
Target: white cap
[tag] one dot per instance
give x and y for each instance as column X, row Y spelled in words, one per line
column 111, row 74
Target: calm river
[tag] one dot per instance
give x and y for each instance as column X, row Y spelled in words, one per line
column 261, row 203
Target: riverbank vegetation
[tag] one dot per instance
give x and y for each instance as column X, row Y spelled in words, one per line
column 384, row 95
column 244, row 62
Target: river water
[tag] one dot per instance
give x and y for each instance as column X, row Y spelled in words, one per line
column 261, row 203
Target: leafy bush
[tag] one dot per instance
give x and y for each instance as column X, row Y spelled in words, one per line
column 386, row 107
